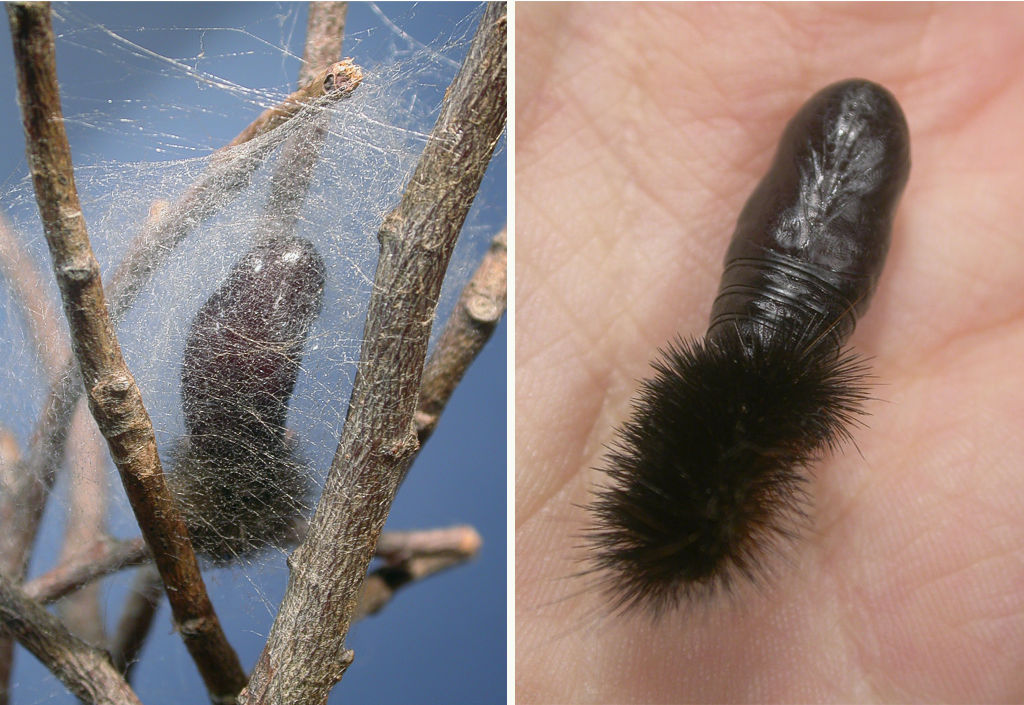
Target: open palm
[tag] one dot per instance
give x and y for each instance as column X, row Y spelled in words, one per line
column 641, row 130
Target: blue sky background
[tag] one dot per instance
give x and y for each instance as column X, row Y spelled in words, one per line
column 164, row 82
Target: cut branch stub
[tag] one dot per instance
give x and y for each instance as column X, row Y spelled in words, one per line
column 480, row 307
column 335, row 82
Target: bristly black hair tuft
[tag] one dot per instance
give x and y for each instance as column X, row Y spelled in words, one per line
column 709, row 472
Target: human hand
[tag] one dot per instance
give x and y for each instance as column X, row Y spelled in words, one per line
column 641, row 130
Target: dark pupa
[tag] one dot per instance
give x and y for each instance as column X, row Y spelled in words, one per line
column 236, row 473
column 709, row 472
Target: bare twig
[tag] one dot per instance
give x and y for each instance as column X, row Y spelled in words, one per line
column 103, row 557
column 136, row 619
column 85, row 527
column 85, row 670
column 114, row 398
column 86, row 522
column 332, row 83
column 480, row 307
column 380, row 586
column 304, row 657
column 301, row 151
column 26, row 285
column 325, row 32
column 106, row 555
column 10, row 453
column 398, row 546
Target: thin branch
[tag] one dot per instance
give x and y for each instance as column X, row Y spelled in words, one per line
column 114, row 398
column 325, row 32
column 10, row 453
column 480, row 307
column 106, row 555
column 86, row 514
column 382, row 584
column 300, row 153
column 333, row 83
column 86, row 522
column 303, row 657
column 398, row 546
column 136, row 620
column 26, row 285
column 85, row 670
column 101, row 558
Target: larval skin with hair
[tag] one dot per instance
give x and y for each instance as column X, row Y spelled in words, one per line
column 709, row 472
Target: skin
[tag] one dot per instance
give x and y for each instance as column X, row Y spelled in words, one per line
column 640, row 132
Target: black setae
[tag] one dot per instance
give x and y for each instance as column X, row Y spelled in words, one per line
column 710, row 471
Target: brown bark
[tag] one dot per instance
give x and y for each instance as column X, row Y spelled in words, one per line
column 85, row 670
column 325, row 32
column 476, row 315
column 86, row 523
column 332, row 83
column 26, row 285
column 412, row 556
column 300, row 153
column 114, row 399
column 102, row 557
column 305, row 657
column 382, row 584
column 136, row 619
column 398, row 546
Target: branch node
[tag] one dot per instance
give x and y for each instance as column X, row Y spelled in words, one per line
column 346, row 659
column 112, row 388
column 79, row 274
column 389, row 230
column 114, row 401
column 192, row 627
column 403, row 448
